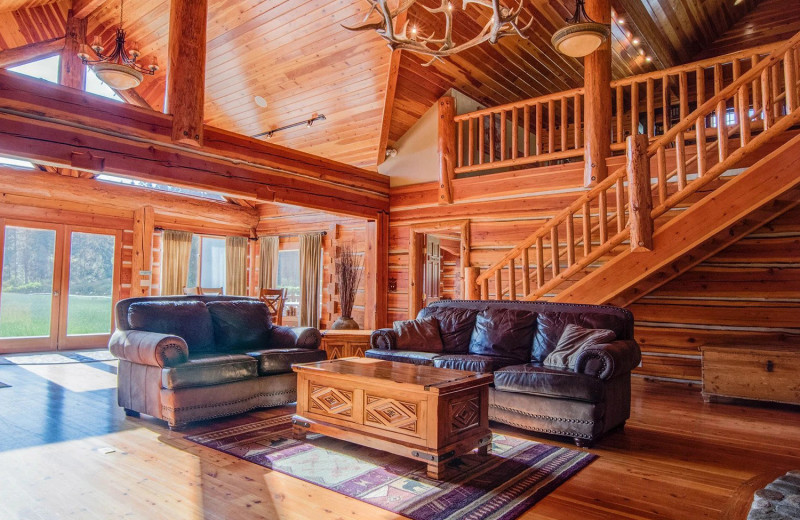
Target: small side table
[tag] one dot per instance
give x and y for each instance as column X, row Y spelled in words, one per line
column 345, row 343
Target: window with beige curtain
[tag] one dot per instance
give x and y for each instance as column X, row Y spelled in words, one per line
column 310, row 290
column 268, row 262
column 175, row 248
column 236, row 265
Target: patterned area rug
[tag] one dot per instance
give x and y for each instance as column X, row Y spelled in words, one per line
column 517, row 474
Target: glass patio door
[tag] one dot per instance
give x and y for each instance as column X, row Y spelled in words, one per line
column 59, row 284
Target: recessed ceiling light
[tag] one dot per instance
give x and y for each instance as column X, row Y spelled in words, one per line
column 260, row 101
column 641, row 52
column 636, row 41
column 621, row 21
column 648, row 59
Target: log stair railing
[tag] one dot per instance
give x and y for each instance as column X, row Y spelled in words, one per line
column 550, row 128
column 593, row 227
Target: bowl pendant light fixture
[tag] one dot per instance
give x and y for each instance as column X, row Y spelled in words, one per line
column 582, row 36
column 119, row 69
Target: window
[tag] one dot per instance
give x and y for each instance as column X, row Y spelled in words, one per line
column 46, row 69
column 95, row 86
column 289, row 274
column 207, row 262
column 160, row 187
column 16, row 162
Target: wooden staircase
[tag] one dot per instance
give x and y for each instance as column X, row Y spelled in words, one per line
column 724, row 169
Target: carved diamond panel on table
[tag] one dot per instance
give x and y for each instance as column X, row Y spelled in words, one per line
column 331, row 401
column 464, row 414
column 390, row 414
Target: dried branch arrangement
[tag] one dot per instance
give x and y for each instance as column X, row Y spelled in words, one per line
column 349, row 269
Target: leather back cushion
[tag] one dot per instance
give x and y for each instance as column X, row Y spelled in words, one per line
column 551, row 327
column 240, row 325
column 188, row 319
column 455, row 326
column 421, row 335
column 573, row 341
column 504, row 332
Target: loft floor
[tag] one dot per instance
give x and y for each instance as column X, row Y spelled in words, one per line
column 678, row 458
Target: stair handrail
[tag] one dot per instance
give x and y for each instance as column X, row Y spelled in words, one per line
column 618, row 176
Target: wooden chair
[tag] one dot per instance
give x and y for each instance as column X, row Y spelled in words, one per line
column 211, row 291
column 274, row 299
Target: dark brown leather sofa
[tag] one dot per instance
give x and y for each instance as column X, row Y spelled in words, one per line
column 582, row 404
column 191, row 358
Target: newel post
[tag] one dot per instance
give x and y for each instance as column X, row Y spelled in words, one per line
column 447, row 148
column 640, row 194
column 471, row 289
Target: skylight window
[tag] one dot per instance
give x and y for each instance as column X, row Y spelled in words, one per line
column 46, row 69
column 161, row 187
column 16, row 162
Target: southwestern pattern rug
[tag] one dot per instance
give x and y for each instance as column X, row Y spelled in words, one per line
column 500, row 486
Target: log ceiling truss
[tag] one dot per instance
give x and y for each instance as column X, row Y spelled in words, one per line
column 297, row 56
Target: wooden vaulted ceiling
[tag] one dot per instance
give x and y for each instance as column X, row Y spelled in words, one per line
column 296, row 55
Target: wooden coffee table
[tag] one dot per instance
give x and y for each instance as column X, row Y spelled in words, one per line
column 425, row 413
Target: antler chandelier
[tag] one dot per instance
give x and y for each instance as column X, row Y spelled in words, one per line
column 503, row 22
column 119, row 69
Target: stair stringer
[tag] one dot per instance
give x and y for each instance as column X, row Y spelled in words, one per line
column 761, row 183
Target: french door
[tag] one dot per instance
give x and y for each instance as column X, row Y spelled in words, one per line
column 59, row 285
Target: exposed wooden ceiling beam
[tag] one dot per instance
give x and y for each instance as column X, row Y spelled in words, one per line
column 48, row 124
column 30, row 52
column 391, row 91
column 47, row 190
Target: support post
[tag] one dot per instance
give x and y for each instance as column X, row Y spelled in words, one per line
column 447, row 149
column 472, row 291
column 73, row 71
column 376, row 264
column 640, row 194
column 187, row 69
column 416, row 273
column 142, row 254
column 597, row 82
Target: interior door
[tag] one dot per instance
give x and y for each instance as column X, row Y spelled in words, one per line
column 30, row 295
column 433, row 270
column 59, row 285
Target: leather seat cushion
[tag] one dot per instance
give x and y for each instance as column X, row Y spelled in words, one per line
column 240, row 325
column 211, row 369
column 455, row 326
column 189, row 320
column 551, row 326
column 279, row 360
column 536, row 379
column 505, row 333
column 403, row 356
column 472, row 362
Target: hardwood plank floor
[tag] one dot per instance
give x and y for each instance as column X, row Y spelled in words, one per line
column 68, row 451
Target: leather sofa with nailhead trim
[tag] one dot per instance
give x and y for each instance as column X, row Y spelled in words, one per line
column 191, row 358
column 511, row 339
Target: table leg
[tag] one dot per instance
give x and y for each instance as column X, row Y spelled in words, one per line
column 299, row 432
column 436, row 470
column 485, row 449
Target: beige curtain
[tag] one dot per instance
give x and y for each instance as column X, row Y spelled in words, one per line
column 310, row 264
column 268, row 262
column 236, row 266
column 175, row 249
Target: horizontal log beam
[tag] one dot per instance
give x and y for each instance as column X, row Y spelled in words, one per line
column 30, row 52
column 48, row 190
column 50, row 125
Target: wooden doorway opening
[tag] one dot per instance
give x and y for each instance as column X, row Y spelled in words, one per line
column 434, row 249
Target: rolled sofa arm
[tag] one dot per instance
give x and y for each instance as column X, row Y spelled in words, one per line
column 384, row 339
column 609, row 360
column 148, row 348
column 296, row 337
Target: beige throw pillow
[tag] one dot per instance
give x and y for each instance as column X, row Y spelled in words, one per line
column 573, row 341
column 421, row 335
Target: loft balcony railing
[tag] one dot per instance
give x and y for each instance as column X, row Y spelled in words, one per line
column 550, row 128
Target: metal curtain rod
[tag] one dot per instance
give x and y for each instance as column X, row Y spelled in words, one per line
column 307, row 122
column 293, row 235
